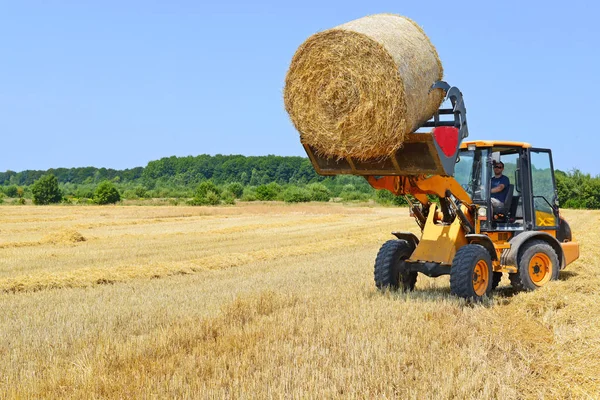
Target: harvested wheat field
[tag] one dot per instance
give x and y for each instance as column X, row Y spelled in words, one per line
column 272, row 301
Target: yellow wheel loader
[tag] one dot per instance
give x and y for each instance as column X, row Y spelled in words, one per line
column 464, row 233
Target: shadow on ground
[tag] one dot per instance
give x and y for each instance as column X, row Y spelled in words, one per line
column 566, row 275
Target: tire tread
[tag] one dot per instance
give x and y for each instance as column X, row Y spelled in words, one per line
column 519, row 280
column 461, row 273
column 388, row 273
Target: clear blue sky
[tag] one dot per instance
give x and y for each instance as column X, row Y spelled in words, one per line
column 119, row 83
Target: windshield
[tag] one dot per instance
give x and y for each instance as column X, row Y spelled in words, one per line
column 471, row 172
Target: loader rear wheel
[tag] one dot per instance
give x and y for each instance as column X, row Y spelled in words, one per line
column 538, row 265
column 390, row 270
column 471, row 272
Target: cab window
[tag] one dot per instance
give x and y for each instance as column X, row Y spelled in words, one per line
column 542, row 185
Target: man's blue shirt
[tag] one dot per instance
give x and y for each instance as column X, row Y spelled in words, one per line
column 496, row 182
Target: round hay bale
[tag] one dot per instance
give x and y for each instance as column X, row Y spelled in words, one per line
column 357, row 89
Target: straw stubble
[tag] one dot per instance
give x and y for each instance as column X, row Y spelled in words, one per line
column 356, row 90
column 273, row 300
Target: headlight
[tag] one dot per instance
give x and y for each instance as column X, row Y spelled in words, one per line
column 482, row 212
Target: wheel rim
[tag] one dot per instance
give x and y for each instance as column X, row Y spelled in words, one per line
column 540, row 269
column 481, row 278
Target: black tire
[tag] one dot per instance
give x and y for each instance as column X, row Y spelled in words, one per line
column 564, row 231
column 496, row 278
column 538, row 264
column 390, row 271
column 471, row 272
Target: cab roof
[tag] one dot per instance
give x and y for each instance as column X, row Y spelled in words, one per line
column 494, row 143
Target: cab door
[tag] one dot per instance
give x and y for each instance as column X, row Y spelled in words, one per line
column 544, row 215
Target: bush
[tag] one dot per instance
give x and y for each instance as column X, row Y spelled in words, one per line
column 319, row 192
column 130, row 195
column 84, row 192
column 384, row 197
column 295, row 194
column 212, row 198
column 207, row 193
column 140, row 192
column 106, row 193
column 46, row 191
column 228, row 197
column 350, row 193
column 399, row 201
column 349, row 188
column 166, row 192
column 268, row 192
column 10, row 191
column 249, row 194
column 207, row 187
column 236, row 188
column 354, row 196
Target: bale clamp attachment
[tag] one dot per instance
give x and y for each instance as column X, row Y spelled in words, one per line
column 421, row 153
column 458, row 110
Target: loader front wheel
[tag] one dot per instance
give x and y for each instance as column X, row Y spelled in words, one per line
column 538, row 265
column 471, row 272
column 390, row 271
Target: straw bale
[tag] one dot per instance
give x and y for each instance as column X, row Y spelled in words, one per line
column 357, row 89
column 64, row 236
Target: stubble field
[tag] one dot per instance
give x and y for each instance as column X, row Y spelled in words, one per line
column 272, row 301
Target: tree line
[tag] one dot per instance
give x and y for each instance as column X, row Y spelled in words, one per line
column 206, row 179
column 184, row 170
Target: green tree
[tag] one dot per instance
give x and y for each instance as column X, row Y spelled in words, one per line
column 255, row 178
column 106, row 193
column 578, row 190
column 46, row 191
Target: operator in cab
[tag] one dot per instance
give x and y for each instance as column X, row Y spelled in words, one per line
column 500, row 185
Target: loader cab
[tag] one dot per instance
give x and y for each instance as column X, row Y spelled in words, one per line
column 531, row 202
